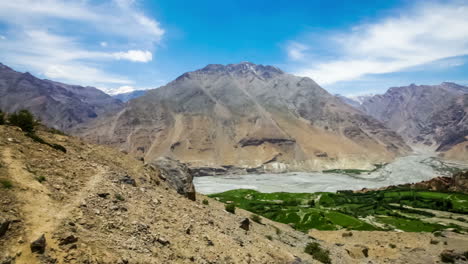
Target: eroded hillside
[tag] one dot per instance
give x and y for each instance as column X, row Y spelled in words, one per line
column 97, row 205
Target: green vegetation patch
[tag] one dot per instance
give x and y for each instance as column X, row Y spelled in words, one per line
column 375, row 210
column 6, row 183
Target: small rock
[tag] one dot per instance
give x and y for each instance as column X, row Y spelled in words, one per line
column 163, row 241
column 103, row 195
column 188, row 231
column 245, row 224
column 347, row 234
column 4, row 225
column 128, row 180
column 39, row 245
column 68, row 240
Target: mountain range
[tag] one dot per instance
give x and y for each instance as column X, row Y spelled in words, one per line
column 57, row 105
column 248, row 116
column 252, row 118
column 429, row 116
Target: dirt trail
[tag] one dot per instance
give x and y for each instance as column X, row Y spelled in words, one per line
column 42, row 214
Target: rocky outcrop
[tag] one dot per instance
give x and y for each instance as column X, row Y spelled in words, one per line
column 57, row 105
column 246, row 115
column 177, row 175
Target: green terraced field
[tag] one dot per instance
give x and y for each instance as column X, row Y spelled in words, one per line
column 375, row 210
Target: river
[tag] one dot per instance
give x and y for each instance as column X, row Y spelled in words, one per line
column 408, row 169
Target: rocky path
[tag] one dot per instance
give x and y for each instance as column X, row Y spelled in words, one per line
column 42, row 215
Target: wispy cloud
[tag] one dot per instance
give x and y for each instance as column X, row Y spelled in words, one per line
column 427, row 33
column 57, row 38
column 296, row 51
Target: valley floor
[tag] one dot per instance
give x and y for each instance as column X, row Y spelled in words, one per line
column 409, row 169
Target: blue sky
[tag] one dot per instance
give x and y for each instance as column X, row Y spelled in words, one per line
column 348, row 47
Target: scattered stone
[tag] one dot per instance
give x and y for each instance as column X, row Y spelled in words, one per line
column 188, row 231
column 103, row 195
column 245, row 224
column 365, row 251
column 39, row 245
column 70, row 239
column 4, row 225
column 297, row 260
column 128, row 180
column 163, row 241
column 347, row 234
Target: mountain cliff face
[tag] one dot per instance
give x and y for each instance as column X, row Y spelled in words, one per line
column 250, row 116
column 58, row 105
column 433, row 115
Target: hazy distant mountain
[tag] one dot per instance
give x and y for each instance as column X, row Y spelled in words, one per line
column 247, row 115
column 124, row 97
column 58, row 105
column 354, row 101
column 434, row 115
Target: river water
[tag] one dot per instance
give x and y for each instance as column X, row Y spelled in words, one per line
column 408, row 169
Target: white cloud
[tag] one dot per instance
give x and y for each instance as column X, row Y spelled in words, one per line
column 296, row 51
column 134, row 55
column 53, row 38
column 2, row 37
column 428, row 33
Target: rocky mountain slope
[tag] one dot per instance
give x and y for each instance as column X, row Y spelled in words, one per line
column 248, row 116
column 58, row 105
column 429, row 115
column 94, row 204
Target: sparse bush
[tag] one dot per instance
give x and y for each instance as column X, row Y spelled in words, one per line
column 277, row 230
column 438, row 234
column 41, row 179
column 447, row 257
column 6, row 183
column 269, row 237
column 38, row 139
column 56, row 131
column 58, row 147
column 317, row 252
column 392, row 246
column 461, row 219
column 119, row 197
column 256, row 218
column 347, row 234
column 23, row 119
column 2, row 118
column 230, row 208
column 205, row 202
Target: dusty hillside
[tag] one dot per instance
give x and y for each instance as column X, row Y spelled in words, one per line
column 397, row 247
column 434, row 116
column 58, row 105
column 248, row 116
column 97, row 205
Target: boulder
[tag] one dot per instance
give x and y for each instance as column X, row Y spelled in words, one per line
column 39, row 245
column 4, row 225
column 176, row 174
column 245, row 224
